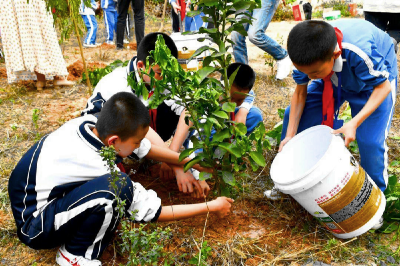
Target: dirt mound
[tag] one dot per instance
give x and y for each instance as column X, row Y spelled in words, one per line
column 75, row 70
column 133, row 46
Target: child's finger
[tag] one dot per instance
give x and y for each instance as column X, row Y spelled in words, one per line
column 198, row 187
column 230, row 200
column 190, row 187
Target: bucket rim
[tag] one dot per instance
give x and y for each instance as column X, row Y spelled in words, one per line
column 290, row 143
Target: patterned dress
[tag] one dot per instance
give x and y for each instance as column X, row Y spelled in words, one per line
column 30, row 41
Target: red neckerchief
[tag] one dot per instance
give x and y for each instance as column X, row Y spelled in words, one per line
column 153, row 115
column 182, row 3
column 328, row 101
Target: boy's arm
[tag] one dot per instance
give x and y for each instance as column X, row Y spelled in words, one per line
column 182, row 132
column 377, row 97
column 241, row 116
column 220, row 206
column 296, row 110
column 168, row 156
column 185, row 181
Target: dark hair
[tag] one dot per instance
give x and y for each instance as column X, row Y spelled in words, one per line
column 311, row 41
column 245, row 76
column 148, row 44
column 122, row 115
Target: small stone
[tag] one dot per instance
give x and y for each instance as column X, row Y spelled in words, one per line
column 381, row 263
column 319, row 263
column 308, row 262
column 390, row 259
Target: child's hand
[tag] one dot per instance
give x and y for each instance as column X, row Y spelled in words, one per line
column 283, row 143
column 187, row 183
column 166, row 172
column 205, row 189
column 349, row 131
column 221, row 206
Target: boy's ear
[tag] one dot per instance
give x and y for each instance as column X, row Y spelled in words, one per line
column 337, row 53
column 111, row 140
column 140, row 65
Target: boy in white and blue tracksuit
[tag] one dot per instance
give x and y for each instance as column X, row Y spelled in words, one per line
column 362, row 68
column 88, row 16
column 110, row 18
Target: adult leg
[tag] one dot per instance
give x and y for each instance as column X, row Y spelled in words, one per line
column 138, row 10
column 372, row 133
column 380, row 20
column 393, row 28
column 80, row 220
column 240, row 48
column 123, row 6
column 256, row 31
column 175, row 21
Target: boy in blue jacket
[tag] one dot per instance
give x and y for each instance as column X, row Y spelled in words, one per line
column 110, row 18
column 347, row 60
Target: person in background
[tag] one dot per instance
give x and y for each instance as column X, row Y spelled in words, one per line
column 88, row 16
column 385, row 15
column 30, row 43
column 138, row 10
column 110, row 19
column 256, row 33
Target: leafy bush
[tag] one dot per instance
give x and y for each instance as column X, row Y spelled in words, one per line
column 98, row 73
column 317, row 14
column 283, row 13
column 392, row 211
column 338, row 5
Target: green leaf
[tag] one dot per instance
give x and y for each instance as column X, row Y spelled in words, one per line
column 192, row 162
column 193, row 13
column 221, row 114
column 281, row 113
column 241, row 5
column 214, row 122
column 258, row 158
column 204, row 72
column 185, row 154
column 199, row 51
column 241, row 129
column 204, row 176
column 220, row 136
column 392, row 180
column 392, row 227
column 232, row 150
column 228, row 177
column 229, row 107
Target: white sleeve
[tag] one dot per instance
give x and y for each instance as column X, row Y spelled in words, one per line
column 248, row 101
column 145, row 206
column 144, row 148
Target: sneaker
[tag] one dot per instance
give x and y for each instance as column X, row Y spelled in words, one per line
column 284, row 67
column 126, row 41
column 378, row 225
column 90, row 45
column 273, row 194
column 64, row 258
column 110, row 42
column 119, row 48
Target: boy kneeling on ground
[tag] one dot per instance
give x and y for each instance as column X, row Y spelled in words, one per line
column 60, row 191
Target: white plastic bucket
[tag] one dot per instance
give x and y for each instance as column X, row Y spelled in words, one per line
column 317, row 170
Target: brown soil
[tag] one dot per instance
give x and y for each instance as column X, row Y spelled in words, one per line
column 133, row 46
column 75, row 70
